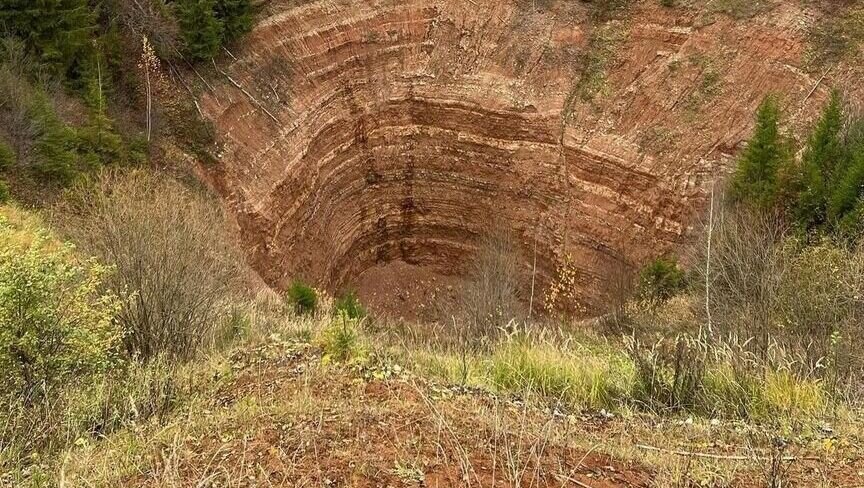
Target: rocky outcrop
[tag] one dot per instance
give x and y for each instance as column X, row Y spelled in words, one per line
column 356, row 134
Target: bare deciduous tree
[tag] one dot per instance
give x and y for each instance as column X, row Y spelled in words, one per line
column 172, row 254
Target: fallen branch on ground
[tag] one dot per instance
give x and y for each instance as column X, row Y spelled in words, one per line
column 725, row 457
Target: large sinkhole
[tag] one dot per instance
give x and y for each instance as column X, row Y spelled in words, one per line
column 372, row 146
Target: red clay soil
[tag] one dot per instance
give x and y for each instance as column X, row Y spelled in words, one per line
column 406, row 291
column 378, row 433
column 336, row 427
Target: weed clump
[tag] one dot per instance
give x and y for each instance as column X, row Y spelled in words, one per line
column 581, row 378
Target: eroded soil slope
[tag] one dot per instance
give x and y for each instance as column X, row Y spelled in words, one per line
column 362, row 133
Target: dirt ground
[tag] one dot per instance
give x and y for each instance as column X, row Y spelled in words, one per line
column 285, row 420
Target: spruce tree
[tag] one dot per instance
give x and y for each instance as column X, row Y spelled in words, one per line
column 756, row 178
column 53, row 153
column 822, row 161
column 844, row 203
column 58, row 32
column 98, row 141
column 201, row 30
column 236, row 17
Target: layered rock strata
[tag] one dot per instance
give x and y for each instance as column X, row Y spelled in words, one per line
column 365, row 133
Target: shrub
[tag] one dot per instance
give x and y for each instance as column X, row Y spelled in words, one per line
column 172, row 253
column 56, row 325
column 7, row 156
column 5, row 195
column 660, row 280
column 349, row 305
column 489, row 297
column 341, row 341
column 302, row 297
column 127, row 395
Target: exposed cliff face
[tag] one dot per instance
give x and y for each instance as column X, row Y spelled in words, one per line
column 362, row 133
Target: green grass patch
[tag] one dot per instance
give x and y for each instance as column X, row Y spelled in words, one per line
column 579, row 377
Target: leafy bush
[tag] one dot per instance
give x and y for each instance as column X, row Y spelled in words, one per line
column 661, row 279
column 349, row 305
column 172, row 253
column 56, row 324
column 302, row 297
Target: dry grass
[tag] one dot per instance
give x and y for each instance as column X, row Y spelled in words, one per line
column 282, row 416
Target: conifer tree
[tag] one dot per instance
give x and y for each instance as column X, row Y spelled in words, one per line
column 823, row 160
column 844, row 204
column 53, row 150
column 98, row 140
column 756, row 179
column 58, row 32
column 236, row 17
column 202, row 31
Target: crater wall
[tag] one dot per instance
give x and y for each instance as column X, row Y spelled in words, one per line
column 356, row 134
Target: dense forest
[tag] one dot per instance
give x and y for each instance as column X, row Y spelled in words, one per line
column 84, row 82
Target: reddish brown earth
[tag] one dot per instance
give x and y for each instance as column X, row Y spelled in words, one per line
column 357, row 134
column 283, row 420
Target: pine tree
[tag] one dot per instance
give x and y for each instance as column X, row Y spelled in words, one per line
column 823, row 160
column 756, row 178
column 202, row 31
column 844, row 204
column 98, row 141
column 236, row 17
column 53, row 149
column 58, row 32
